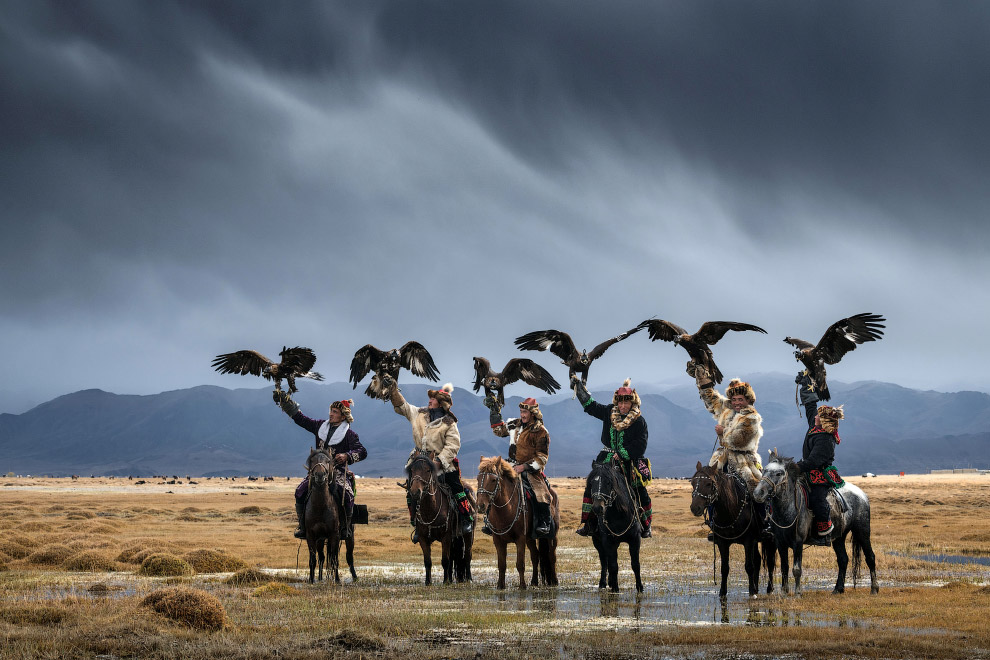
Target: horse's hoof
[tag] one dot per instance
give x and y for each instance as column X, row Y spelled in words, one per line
column 874, row 590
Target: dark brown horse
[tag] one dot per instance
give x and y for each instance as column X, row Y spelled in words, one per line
column 509, row 517
column 436, row 519
column 730, row 512
column 614, row 520
column 322, row 511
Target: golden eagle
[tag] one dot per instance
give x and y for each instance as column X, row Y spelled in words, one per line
column 296, row 363
column 840, row 338
column 697, row 344
column 515, row 369
column 386, row 365
column 561, row 345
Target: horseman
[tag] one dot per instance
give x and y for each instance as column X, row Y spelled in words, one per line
column 817, row 455
column 334, row 435
column 435, row 431
column 529, row 451
column 809, row 398
column 624, row 435
column 738, row 427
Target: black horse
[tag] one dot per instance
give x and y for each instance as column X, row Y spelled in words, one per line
column 726, row 501
column 791, row 522
column 322, row 516
column 614, row 520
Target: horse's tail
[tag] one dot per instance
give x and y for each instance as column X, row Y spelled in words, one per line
column 857, row 559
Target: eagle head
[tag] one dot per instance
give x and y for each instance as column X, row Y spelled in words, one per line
column 798, row 354
column 492, row 383
column 584, row 358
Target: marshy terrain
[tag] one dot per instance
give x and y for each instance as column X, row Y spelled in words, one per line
column 109, row 568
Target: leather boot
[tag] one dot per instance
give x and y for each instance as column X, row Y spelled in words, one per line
column 543, row 525
column 583, row 530
column 345, row 518
column 300, row 532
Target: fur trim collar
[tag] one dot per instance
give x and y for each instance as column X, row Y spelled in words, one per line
column 446, row 419
column 620, row 423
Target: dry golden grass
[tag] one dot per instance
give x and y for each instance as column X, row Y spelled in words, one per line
column 91, row 560
column 191, row 607
column 389, row 613
column 162, row 564
column 213, row 561
column 50, row 555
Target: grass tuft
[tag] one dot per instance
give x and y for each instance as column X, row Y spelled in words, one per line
column 247, row 576
column 50, row 555
column 14, row 550
column 213, row 561
column 91, row 560
column 250, row 510
column 275, row 589
column 163, row 564
column 191, row 607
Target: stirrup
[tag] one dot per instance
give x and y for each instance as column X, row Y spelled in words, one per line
column 582, row 530
column 711, row 537
column 415, row 536
column 646, row 533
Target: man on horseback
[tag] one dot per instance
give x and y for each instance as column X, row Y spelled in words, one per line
column 738, row 427
column 529, row 451
column 335, row 435
column 624, row 435
column 817, row 455
column 434, row 430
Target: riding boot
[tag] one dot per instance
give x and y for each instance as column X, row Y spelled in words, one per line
column 300, row 532
column 583, row 530
column 345, row 520
column 543, row 527
column 465, row 521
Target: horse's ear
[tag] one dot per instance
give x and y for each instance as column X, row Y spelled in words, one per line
column 312, row 451
column 699, row 466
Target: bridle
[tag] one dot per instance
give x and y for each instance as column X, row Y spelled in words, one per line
column 493, row 494
column 430, row 487
column 609, row 499
column 773, row 486
column 711, row 499
column 319, row 479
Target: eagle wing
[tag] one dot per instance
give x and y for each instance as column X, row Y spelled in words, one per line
column 482, row 368
column 559, row 343
column 414, row 357
column 660, row 329
column 365, row 359
column 530, row 373
column 597, row 351
column 241, row 362
column 709, row 333
column 845, row 334
column 298, row 360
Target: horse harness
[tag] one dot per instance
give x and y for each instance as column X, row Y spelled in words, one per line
column 430, row 488
column 492, row 494
column 714, row 498
column 609, row 499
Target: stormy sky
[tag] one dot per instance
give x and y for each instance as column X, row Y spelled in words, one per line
column 182, row 179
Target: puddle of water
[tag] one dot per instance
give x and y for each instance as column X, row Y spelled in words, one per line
column 946, row 559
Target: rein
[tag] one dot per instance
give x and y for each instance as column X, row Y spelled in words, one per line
column 430, row 488
column 492, row 494
column 714, row 498
column 773, row 492
column 608, row 500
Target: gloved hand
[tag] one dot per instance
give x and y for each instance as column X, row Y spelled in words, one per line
column 580, row 390
column 285, row 402
column 702, row 378
column 491, row 403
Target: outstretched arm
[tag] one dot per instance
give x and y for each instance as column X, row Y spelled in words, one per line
column 714, row 402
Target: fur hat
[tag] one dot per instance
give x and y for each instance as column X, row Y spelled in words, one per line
column 532, row 406
column 442, row 396
column 828, row 417
column 626, row 393
column 737, row 386
column 344, row 406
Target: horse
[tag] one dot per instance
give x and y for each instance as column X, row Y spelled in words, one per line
column 791, row 522
column 614, row 520
column 508, row 517
column 729, row 510
column 436, row 519
column 322, row 517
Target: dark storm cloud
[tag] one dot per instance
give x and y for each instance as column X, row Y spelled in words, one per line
column 186, row 178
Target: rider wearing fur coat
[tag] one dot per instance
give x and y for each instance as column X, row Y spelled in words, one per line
column 434, row 430
column 529, row 451
column 336, row 436
column 624, row 435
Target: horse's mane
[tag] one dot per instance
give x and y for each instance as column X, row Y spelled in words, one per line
column 729, row 485
column 424, row 454
column 498, row 465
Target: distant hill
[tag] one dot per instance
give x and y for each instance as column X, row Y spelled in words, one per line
column 213, row 430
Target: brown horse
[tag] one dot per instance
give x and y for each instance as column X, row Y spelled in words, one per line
column 508, row 517
column 436, row 519
column 322, row 524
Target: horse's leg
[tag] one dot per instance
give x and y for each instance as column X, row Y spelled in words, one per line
column 312, row 560
column 862, row 545
column 602, row 559
column 349, row 546
column 552, row 560
column 752, row 566
column 798, row 549
column 319, row 549
column 613, row 565
column 521, row 544
column 426, row 546
column 782, row 551
column 534, row 559
column 842, row 559
column 334, row 558
column 446, row 559
column 723, row 554
column 769, row 554
column 634, row 546
column 500, row 550
column 468, row 554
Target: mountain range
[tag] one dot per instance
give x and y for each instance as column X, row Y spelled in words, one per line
column 208, row 430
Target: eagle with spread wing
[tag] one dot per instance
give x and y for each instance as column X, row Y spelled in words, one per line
column 840, row 338
column 560, row 344
column 515, row 369
column 697, row 345
column 386, row 365
column 296, row 363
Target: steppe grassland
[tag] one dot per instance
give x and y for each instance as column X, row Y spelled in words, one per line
column 48, row 609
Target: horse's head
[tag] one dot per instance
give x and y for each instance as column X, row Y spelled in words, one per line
column 319, row 466
column 423, row 473
column 603, row 484
column 704, row 488
column 491, row 471
column 778, row 474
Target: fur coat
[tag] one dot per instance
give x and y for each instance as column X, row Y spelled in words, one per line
column 528, row 445
column 740, row 443
column 440, row 436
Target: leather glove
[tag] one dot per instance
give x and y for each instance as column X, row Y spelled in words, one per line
column 580, row 390
column 490, row 403
column 285, row 402
column 702, row 378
